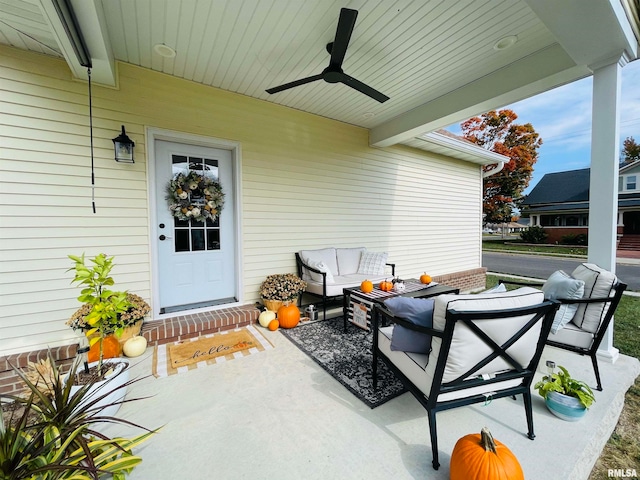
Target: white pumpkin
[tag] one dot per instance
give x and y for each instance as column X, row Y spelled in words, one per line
column 135, row 346
column 266, row 317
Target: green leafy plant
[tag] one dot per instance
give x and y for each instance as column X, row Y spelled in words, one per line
column 534, row 234
column 107, row 306
column 562, row 382
column 54, row 436
column 574, row 239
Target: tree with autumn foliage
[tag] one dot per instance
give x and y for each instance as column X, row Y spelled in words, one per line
column 630, row 151
column 496, row 131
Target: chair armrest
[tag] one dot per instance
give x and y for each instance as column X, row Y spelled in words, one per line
column 393, row 268
column 301, row 265
column 522, row 284
column 586, row 300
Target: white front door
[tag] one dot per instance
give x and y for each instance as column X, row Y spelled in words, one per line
column 196, row 260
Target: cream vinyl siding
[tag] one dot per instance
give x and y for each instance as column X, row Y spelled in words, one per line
column 307, row 182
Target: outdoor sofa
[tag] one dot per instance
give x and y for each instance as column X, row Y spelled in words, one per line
column 328, row 271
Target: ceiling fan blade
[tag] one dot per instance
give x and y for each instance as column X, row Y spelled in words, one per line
column 343, row 34
column 363, row 88
column 295, row 83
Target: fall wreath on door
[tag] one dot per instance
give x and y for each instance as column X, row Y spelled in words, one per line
column 194, row 196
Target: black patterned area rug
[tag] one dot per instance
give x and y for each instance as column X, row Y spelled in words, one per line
column 346, row 357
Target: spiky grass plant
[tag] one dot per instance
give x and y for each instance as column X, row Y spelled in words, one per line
column 62, row 442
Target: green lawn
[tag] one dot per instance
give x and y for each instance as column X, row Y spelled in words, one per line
column 512, row 245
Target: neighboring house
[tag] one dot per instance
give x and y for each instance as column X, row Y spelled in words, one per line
column 560, row 203
column 507, row 227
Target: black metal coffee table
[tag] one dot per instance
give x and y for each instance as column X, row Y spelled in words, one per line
column 357, row 305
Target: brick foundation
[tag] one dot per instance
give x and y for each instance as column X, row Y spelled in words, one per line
column 156, row 332
column 189, row 326
column 466, row 281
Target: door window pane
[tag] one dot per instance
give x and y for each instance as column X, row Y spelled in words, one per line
column 213, row 239
column 197, row 239
column 182, row 240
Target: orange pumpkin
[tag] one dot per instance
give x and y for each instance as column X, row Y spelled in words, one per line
column 386, row 286
column 288, row 316
column 480, row 457
column 424, row 278
column 110, row 349
column 366, row 286
column 273, row 325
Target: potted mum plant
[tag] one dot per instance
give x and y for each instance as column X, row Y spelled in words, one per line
column 565, row 397
column 281, row 288
column 104, row 313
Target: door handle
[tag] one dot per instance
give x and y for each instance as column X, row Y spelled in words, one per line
column 163, row 237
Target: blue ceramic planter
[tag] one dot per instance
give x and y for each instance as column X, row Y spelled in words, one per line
column 565, row 407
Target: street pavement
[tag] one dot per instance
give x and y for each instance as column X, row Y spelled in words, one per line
column 538, row 266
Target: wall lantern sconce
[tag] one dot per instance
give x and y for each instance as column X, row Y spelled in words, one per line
column 123, row 146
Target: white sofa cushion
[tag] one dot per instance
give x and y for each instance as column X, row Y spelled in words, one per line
column 598, row 283
column 339, row 283
column 467, row 349
column 560, row 285
column 372, row 263
column 349, row 259
column 313, row 257
column 571, row 334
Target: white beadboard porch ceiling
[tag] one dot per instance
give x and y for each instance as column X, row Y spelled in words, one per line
column 435, row 59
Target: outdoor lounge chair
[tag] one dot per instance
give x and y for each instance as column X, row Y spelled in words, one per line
column 483, row 347
column 582, row 332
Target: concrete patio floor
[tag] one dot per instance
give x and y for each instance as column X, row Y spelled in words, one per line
column 278, row 415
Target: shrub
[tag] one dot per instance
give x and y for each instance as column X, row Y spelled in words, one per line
column 534, row 235
column 573, row 239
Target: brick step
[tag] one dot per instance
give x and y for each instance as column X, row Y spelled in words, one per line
column 188, row 326
column 629, row 242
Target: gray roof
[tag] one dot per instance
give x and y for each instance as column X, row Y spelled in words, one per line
column 560, row 187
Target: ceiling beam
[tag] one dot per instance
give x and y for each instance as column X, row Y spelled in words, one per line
column 592, row 32
column 536, row 73
column 83, row 16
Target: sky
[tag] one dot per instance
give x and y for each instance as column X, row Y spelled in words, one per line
column 562, row 117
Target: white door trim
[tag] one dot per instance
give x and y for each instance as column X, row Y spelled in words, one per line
column 153, row 134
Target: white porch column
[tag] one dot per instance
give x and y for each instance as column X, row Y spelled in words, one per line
column 603, row 188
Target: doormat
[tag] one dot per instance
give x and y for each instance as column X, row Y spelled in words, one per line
column 347, row 357
column 198, row 352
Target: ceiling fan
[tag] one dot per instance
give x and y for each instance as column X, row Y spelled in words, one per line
column 337, row 49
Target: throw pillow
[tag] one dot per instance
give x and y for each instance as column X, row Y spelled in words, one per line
column 500, row 288
column 598, row 283
column 323, row 267
column 561, row 286
column 372, row 263
column 418, row 311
